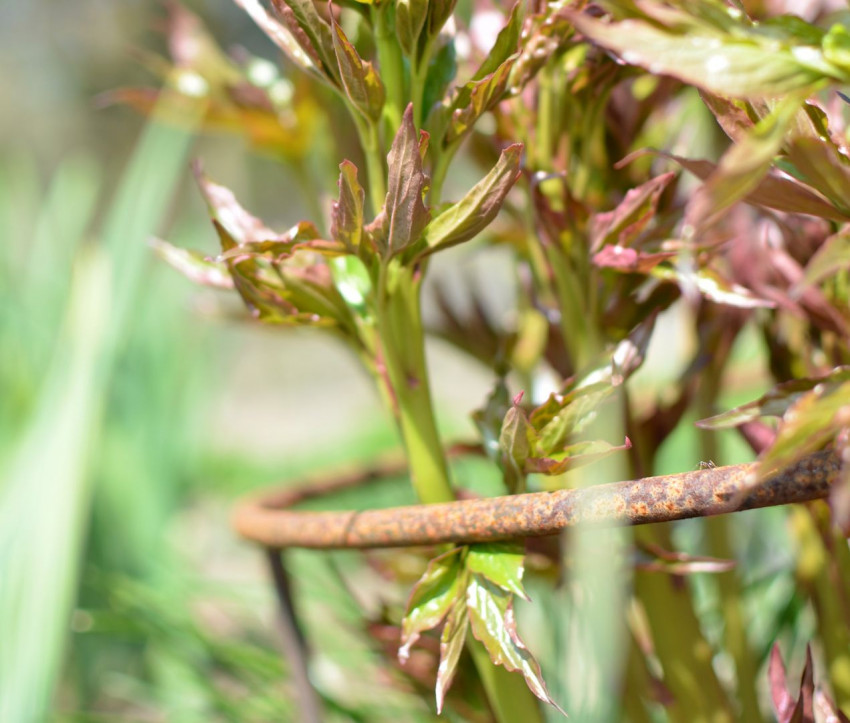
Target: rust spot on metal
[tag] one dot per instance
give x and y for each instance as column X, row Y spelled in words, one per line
column 269, row 520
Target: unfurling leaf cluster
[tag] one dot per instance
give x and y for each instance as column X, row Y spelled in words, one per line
column 472, row 589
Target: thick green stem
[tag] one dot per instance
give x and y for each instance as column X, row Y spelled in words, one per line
column 392, row 65
column 403, row 339
column 376, row 173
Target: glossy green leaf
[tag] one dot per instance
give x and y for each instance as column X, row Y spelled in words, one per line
column 410, row 17
column 406, row 214
column 347, row 211
column 502, row 563
column 432, row 598
column 745, row 64
column 465, row 219
column 195, row 266
column 452, row 641
column 491, row 618
column 361, row 83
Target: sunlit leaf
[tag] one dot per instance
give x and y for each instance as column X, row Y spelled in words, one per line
column 347, row 211
column 744, row 165
column 452, row 641
column 573, row 456
column 482, row 96
column 632, row 215
column 432, row 598
column 362, row 85
column 406, row 214
column 775, row 190
column 777, row 401
column 303, row 16
column 506, row 45
column 491, row 618
column 746, row 64
column 501, row 563
column 302, row 56
column 465, row 219
column 195, row 266
column 809, row 423
column 517, row 439
column 712, row 286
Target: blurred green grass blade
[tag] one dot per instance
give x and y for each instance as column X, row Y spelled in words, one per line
column 46, row 486
column 44, row 503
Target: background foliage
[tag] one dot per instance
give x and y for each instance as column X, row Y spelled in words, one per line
column 134, row 409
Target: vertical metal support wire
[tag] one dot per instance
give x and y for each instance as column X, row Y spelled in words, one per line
column 294, row 643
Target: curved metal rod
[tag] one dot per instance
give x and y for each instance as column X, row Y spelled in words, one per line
column 266, row 519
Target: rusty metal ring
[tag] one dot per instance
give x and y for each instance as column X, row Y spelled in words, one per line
column 268, row 519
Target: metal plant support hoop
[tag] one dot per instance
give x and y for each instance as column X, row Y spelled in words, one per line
column 270, row 520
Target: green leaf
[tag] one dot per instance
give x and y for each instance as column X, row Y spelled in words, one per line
column 833, row 256
column 439, row 11
column 406, row 214
column 774, row 190
column 432, row 598
column 193, row 265
column 362, row 85
column 506, row 45
column 501, row 563
column 452, row 641
column 517, row 439
column 491, row 617
column 777, row 401
column 465, row 219
column 565, row 415
column 744, row 165
column 477, row 98
column 747, row 64
column 572, row 456
column 410, row 16
column 820, row 165
column 347, row 211
column 297, row 49
column 812, row 421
